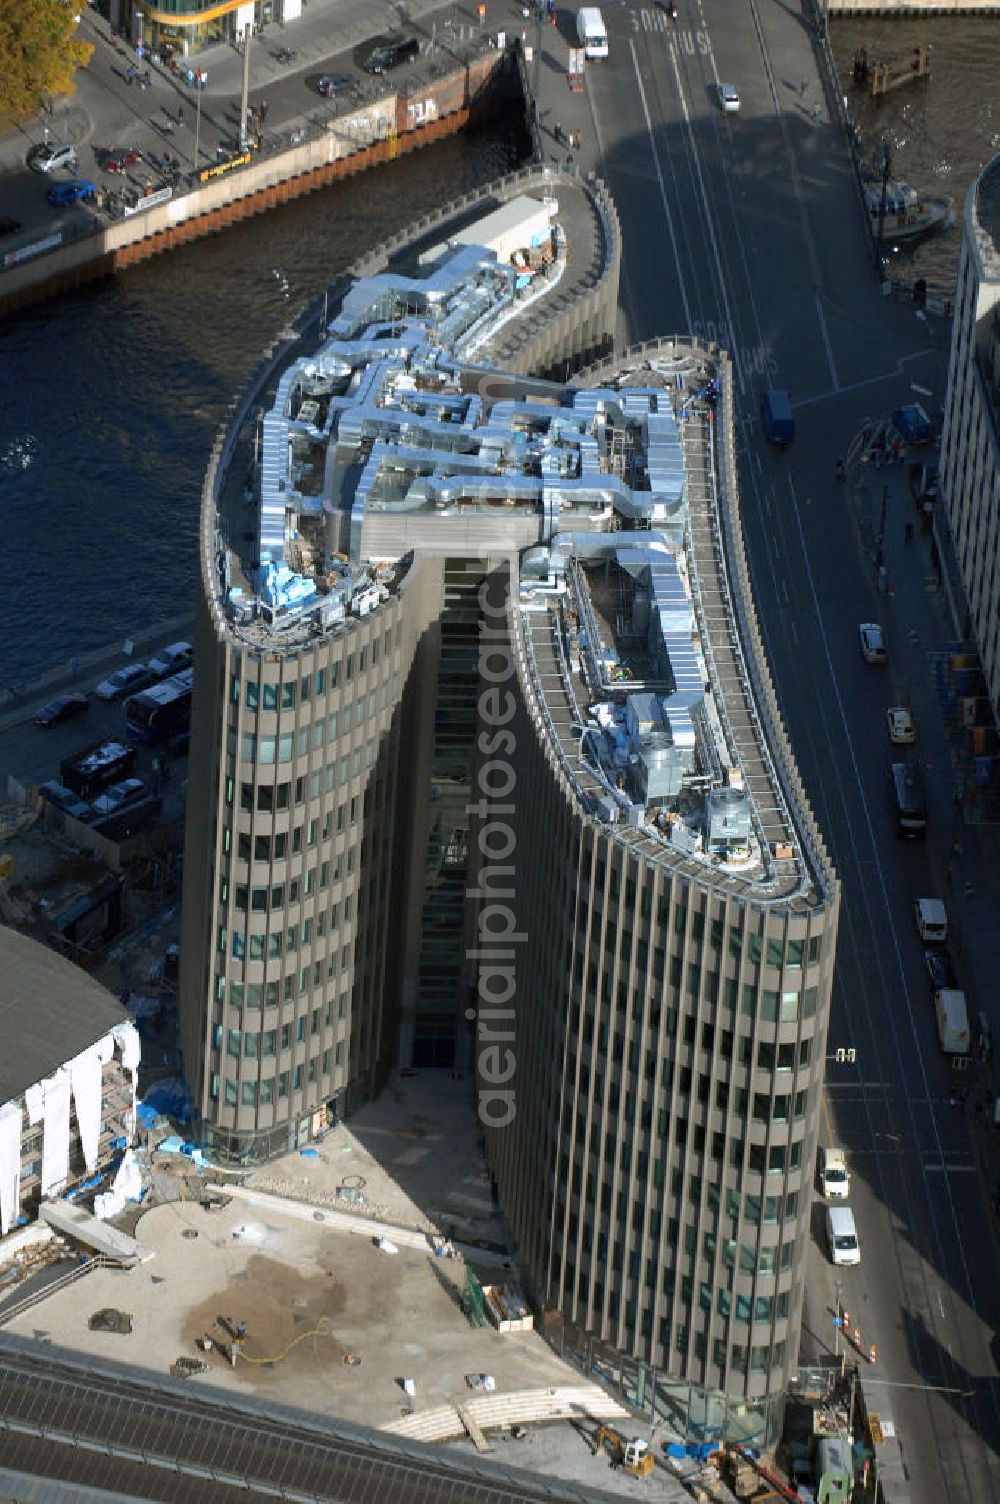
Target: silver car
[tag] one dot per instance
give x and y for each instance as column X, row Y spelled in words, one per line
column 127, row 681
column 119, row 796
column 49, row 157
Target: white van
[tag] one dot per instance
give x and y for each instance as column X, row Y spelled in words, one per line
column 932, row 920
column 842, row 1235
column 593, row 33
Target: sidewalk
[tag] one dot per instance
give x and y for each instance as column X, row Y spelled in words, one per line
column 106, row 109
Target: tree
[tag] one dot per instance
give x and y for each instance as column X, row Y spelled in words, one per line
column 39, row 53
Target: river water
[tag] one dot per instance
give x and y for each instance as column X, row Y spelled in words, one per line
column 943, row 130
column 111, row 396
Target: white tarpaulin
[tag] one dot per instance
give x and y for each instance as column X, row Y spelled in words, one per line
column 85, row 1074
column 10, row 1166
column 127, row 1187
column 126, row 1037
column 55, row 1139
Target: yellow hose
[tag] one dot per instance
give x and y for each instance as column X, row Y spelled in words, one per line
column 323, row 1330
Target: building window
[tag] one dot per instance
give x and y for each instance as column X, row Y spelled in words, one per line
column 213, row 1086
column 232, row 1096
column 270, row 697
column 249, row 1093
column 252, row 694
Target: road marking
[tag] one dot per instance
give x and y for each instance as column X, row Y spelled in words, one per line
column 663, row 190
column 952, row 1169
column 857, row 386
column 826, row 343
column 924, row 391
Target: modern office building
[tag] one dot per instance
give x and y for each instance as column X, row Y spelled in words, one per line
column 487, row 771
column 970, row 445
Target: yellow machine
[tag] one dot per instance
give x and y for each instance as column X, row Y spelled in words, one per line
column 634, row 1456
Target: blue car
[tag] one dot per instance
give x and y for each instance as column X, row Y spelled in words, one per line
column 71, row 192
column 913, row 423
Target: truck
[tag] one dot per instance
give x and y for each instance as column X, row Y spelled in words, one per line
column 90, row 771
column 777, row 417
column 952, row 1016
column 932, row 920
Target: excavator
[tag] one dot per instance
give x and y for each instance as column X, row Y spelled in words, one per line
column 633, row 1456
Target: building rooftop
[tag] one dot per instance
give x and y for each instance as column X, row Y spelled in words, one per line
column 50, row 1011
column 395, row 436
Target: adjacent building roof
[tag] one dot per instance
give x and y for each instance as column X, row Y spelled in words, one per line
column 50, row 1011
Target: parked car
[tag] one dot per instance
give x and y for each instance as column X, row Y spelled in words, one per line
column 62, row 708
column 834, row 1181
column 333, row 83
column 121, row 161
column 119, row 796
column 65, row 799
column 49, row 157
column 9, row 225
column 901, row 727
column 127, row 681
column 71, row 192
column 383, row 53
column 872, row 642
column 171, row 659
column 729, row 98
column 913, row 424
column 940, row 969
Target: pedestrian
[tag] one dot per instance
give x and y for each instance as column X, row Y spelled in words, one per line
column 803, row 86
column 263, row 111
column 557, row 133
column 180, row 115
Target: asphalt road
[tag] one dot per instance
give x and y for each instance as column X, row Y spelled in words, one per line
column 745, row 228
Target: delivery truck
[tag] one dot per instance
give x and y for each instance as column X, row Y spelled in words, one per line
column 952, row 1021
column 778, row 419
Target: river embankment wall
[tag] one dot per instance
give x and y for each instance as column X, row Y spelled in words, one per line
column 378, row 133
column 907, row 9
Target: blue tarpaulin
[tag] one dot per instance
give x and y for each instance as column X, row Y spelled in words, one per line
column 170, row 1099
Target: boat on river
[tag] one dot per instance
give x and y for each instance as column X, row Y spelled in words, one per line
column 908, row 213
